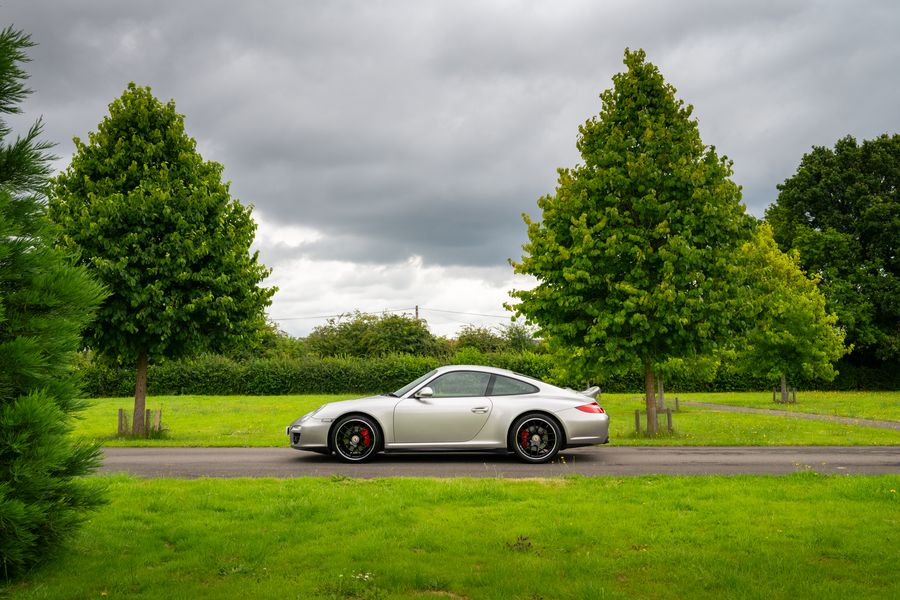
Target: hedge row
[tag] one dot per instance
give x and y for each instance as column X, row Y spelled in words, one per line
column 216, row 375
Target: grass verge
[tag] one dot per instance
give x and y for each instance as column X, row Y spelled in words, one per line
column 260, row 421
column 799, row 536
column 861, row 405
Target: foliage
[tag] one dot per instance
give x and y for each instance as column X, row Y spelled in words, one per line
column 213, row 374
column 479, row 338
column 156, row 224
column 359, row 334
column 514, row 337
column 286, row 346
column 793, row 336
column 841, row 211
column 44, row 305
column 519, row 337
column 634, row 253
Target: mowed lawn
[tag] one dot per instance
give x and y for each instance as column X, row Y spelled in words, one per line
column 797, row 536
column 261, row 420
column 861, row 405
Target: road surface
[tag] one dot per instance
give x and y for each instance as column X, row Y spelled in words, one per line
column 603, row 460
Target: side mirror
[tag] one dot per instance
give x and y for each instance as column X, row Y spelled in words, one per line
column 425, row 392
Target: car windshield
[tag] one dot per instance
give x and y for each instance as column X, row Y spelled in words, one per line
column 406, row 388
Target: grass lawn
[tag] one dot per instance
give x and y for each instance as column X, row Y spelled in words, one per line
column 260, row 421
column 862, row 405
column 696, row 426
column 799, row 536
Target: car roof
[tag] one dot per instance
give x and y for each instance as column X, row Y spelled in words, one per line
column 542, row 385
column 495, row 370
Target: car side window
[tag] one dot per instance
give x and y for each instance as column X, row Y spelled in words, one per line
column 460, row 384
column 507, row 386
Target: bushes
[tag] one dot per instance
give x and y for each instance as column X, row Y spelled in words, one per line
column 217, row 375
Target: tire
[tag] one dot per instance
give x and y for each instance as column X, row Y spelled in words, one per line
column 355, row 439
column 535, row 438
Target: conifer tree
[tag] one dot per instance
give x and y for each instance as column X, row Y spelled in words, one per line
column 45, row 303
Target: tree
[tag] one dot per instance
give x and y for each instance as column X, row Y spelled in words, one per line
column 841, row 211
column 481, row 338
column 45, row 303
column 520, row 338
column 793, row 335
column 156, row 224
column 360, row 334
column 635, row 252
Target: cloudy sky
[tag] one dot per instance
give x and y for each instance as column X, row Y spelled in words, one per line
column 390, row 147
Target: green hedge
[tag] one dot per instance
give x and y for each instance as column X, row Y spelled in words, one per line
column 217, row 375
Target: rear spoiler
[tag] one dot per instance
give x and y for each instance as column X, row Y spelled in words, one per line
column 591, row 392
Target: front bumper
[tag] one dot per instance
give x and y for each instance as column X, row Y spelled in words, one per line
column 309, row 433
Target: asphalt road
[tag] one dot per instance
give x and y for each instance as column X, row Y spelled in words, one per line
column 603, row 460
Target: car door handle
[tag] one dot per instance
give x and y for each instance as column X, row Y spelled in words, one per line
column 480, row 409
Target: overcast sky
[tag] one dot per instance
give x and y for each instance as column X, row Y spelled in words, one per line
column 389, row 148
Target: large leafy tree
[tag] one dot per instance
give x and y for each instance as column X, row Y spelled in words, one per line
column 793, row 335
column 45, row 302
column 635, row 252
column 158, row 226
column 841, row 211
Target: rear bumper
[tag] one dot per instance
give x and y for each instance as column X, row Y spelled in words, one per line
column 584, row 429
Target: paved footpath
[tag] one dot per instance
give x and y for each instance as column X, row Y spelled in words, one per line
column 191, row 463
column 797, row 415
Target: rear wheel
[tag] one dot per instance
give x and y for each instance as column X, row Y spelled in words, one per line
column 535, row 438
column 355, row 439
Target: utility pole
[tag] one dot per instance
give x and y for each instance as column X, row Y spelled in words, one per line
column 417, row 312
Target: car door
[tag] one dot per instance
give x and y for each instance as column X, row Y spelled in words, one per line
column 455, row 413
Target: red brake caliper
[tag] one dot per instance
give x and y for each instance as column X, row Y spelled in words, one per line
column 365, row 436
column 525, row 439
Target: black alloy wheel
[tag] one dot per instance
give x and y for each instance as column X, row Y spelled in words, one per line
column 355, row 439
column 536, row 438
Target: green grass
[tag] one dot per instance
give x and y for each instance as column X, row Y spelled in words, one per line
column 799, row 536
column 696, row 426
column 862, row 405
column 260, row 421
column 205, row 420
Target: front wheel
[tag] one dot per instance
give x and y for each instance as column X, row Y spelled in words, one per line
column 355, row 439
column 535, row 438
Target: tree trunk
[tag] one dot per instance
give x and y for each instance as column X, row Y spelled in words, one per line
column 138, row 428
column 784, row 390
column 650, row 399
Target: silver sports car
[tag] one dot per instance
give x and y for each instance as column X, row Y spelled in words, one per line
column 457, row 408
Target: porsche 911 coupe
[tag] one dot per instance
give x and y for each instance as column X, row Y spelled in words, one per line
column 457, row 408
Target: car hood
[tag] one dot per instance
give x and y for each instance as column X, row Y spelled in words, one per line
column 369, row 403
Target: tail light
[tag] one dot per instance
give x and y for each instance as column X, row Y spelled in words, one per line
column 591, row 408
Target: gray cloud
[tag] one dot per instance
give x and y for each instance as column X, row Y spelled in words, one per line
column 409, row 128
